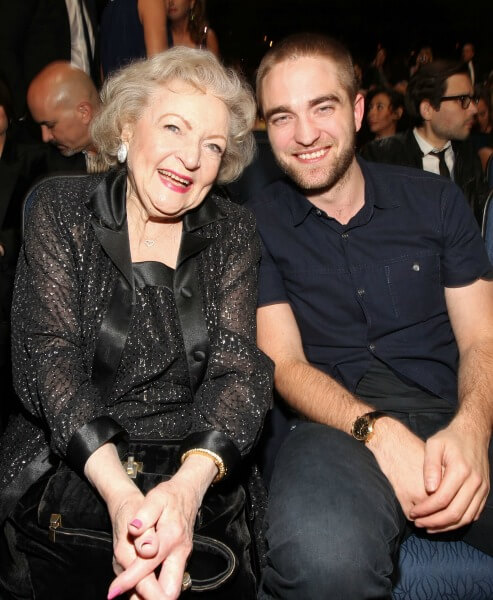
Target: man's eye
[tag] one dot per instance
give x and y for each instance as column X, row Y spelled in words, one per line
column 325, row 109
column 279, row 120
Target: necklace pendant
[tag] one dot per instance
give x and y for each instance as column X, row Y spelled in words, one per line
column 149, row 243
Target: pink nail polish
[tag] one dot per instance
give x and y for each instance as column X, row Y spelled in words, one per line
column 137, row 523
column 114, row 593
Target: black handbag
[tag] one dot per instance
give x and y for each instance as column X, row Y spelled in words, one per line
column 71, row 513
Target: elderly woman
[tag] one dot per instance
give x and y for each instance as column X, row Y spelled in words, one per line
column 134, row 315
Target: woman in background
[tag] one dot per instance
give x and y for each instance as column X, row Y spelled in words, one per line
column 385, row 109
column 131, row 29
column 187, row 26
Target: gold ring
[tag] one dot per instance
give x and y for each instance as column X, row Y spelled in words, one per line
column 186, row 581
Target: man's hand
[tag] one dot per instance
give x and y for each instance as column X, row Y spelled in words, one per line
column 400, row 454
column 456, row 477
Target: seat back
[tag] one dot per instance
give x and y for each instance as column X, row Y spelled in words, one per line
column 487, row 225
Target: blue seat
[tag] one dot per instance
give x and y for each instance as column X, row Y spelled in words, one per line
column 489, row 172
column 436, row 570
column 487, row 225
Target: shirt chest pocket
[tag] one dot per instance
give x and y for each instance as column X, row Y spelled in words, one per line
column 414, row 286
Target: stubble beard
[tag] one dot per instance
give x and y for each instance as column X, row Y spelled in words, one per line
column 65, row 151
column 459, row 133
column 303, row 175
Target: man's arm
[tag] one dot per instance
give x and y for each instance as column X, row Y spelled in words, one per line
column 314, row 394
column 456, row 468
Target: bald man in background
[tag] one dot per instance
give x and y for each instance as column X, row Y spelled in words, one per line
column 63, row 100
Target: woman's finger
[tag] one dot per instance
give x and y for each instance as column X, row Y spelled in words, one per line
column 171, row 577
column 148, row 514
column 139, row 569
column 147, row 544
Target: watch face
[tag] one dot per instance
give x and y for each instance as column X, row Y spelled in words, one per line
column 362, row 428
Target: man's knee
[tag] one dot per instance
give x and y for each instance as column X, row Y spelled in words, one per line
column 329, row 532
column 317, row 562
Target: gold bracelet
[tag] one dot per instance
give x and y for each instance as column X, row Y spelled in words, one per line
column 218, row 461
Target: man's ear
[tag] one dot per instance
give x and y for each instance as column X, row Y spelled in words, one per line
column 359, row 110
column 84, row 109
column 426, row 110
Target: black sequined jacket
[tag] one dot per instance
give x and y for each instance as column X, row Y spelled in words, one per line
column 99, row 352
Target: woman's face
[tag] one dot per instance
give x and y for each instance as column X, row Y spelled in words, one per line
column 179, row 9
column 175, row 149
column 4, row 122
column 381, row 117
column 483, row 116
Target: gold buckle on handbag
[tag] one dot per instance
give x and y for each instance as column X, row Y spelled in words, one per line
column 132, row 467
column 55, row 523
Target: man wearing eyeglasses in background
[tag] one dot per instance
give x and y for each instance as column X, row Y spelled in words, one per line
column 441, row 102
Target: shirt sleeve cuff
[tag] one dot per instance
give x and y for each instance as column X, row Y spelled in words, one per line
column 92, row 436
column 216, row 442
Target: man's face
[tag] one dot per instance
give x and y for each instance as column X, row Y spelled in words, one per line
column 467, row 52
column 64, row 126
column 311, row 121
column 451, row 121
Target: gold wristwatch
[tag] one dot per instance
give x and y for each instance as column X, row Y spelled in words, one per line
column 362, row 429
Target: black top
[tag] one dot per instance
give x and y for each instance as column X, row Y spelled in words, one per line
column 75, row 263
column 373, row 287
column 122, row 35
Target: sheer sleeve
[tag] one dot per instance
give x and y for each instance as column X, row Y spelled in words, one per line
column 237, row 391
column 51, row 377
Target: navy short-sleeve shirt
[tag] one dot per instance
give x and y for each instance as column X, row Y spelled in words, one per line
column 375, row 286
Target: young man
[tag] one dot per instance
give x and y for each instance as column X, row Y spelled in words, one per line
column 441, row 102
column 374, row 283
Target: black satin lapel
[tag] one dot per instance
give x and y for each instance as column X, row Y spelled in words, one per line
column 108, row 201
column 188, row 299
column 107, row 204
column 112, row 336
column 191, row 244
column 205, row 213
column 117, row 247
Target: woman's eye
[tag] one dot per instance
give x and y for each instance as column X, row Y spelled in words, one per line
column 171, row 127
column 215, row 148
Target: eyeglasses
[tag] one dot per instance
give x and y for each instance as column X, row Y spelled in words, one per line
column 463, row 99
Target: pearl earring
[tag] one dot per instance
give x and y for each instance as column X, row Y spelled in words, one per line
column 122, row 153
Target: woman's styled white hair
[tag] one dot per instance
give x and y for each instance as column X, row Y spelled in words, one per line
column 126, row 93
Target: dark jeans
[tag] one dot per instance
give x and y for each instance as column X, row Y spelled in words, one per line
column 334, row 522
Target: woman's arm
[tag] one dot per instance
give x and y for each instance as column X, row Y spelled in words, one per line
column 212, row 42
column 153, row 15
column 48, row 346
column 237, row 390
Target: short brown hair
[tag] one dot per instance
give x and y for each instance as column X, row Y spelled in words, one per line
column 306, row 45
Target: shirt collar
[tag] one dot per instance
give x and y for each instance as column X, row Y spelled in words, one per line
column 301, row 207
column 425, row 146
